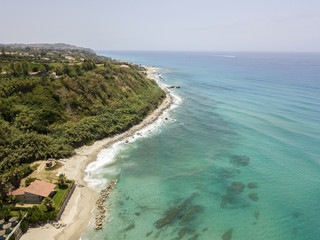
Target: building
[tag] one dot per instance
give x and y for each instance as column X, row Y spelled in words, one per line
column 35, row 192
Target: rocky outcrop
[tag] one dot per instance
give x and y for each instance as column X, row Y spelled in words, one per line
column 101, row 212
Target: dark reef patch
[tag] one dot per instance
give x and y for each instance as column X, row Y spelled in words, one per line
column 236, row 187
column 252, row 185
column 228, row 234
column 225, row 173
column 254, row 197
column 240, row 160
column 172, row 214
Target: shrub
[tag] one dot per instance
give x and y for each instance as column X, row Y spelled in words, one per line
column 29, row 181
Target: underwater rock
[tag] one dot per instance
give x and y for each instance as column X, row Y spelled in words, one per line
column 297, row 214
column 240, row 160
column 188, row 215
column 173, row 213
column 149, row 233
column 254, row 197
column 228, row 199
column 194, row 237
column 256, row 214
column 228, row 173
column 236, row 187
column 228, row 234
column 252, row 185
column 137, row 213
column 182, row 232
column 205, row 229
column 130, row 227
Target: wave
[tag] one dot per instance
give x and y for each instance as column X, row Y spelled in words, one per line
column 96, row 172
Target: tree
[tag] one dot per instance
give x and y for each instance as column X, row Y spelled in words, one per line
column 5, row 188
column 48, row 203
column 34, row 214
column 4, row 212
column 66, row 69
column 61, row 180
column 42, row 69
column 11, row 199
column 25, row 69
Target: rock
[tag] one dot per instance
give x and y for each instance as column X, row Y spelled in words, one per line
column 228, row 173
column 236, row 187
column 194, row 237
column 182, row 232
column 149, row 233
column 252, row 185
column 227, row 235
column 130, row 227
column 100, row 215
column 256, row 214
column 297, row 214
column 254, row 197
column 240, row 160
column 173, row 213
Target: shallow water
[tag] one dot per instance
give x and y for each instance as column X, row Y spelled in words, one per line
column 238, row 157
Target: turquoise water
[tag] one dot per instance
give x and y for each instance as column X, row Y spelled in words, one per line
column 238, row 157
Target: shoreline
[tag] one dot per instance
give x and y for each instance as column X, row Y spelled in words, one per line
column 77, row 214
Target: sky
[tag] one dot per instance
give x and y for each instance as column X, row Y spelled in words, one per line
column 165, row 25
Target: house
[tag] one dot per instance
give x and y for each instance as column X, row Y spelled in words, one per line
column 35, row 192
column 1, row 223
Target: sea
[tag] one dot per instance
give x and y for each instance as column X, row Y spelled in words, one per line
column 237, row 156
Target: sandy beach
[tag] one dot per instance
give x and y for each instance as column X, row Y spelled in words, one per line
column 80, row 207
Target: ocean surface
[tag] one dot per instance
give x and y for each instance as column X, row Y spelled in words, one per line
column 236, row 157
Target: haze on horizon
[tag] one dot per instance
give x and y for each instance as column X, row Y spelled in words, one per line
column 166, row 25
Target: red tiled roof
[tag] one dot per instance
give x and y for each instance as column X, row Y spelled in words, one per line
column 19, row 191
column 40, row 188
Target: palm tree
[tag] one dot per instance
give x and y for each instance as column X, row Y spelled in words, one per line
column 62, row 179
column 48, row 203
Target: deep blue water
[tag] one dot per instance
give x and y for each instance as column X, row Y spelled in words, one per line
column 239, row 157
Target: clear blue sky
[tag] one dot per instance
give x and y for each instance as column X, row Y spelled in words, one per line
column 197, row 25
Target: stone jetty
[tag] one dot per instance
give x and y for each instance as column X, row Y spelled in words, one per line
column 101, row 212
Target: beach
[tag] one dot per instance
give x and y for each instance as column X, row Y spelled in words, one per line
column 79, row 209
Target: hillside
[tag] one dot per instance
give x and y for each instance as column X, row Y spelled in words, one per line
column 49, row 107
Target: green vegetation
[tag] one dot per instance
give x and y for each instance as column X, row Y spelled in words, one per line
column 61, row 194
column 54, row 98
column 47, row 211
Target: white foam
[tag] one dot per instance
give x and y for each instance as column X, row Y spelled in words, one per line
column 107, row 157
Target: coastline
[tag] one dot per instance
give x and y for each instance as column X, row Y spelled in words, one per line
column 80, row 207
